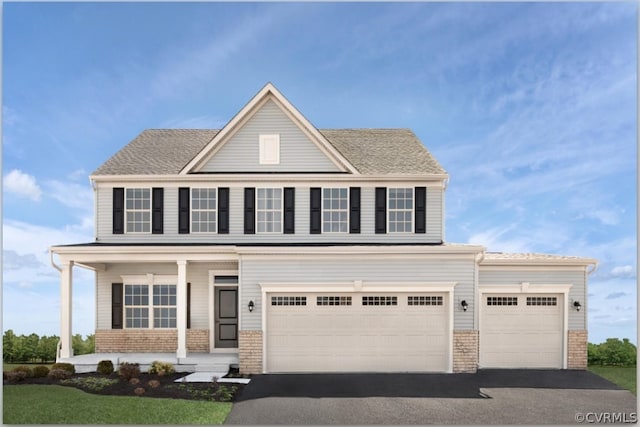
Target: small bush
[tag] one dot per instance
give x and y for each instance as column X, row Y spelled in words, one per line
column 224, row 394
column 16, row 376
column 66, row 366
column 162, row 368
column 134, row 381
column 27, row 370
column 105, row 367
column 59, row 374
column 139, row 391
column 89, row 383
column 40, row 371
column 129, row 370
column 154, row 384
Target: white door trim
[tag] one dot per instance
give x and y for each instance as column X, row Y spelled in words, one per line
column 527, row 288
column 212, row 296
column 356, row 286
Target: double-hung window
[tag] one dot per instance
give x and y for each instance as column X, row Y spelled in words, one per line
column 204, row 206
column 335, row 210
column 138, row 210
column 269, row 210
column 400, row 205
column 149, row 305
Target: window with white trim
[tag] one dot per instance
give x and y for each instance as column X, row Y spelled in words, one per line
column 502, row 300
column 269, row 149
column 333, row 300
column 204, row 206
column 379, row 300
column 400, row 206
column 288, row 300
column 542, row 301
column 424, row 300
column 269, row 210
column 335, row 210
column 138, row 306
column 138, row 210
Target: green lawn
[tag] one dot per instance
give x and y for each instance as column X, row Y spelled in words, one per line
column 39, row 404
column 624, row 377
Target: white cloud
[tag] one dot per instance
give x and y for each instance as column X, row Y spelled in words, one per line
column 622, row 271
column 22, row 184
column 79, row 197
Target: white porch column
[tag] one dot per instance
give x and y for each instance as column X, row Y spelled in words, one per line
column 66, row 291
column 181, row 309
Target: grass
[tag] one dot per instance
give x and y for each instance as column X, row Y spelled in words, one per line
column 50, row 404
column 625, row 377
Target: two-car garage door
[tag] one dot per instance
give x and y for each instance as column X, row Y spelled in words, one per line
column 521, row 331
column 350, row 332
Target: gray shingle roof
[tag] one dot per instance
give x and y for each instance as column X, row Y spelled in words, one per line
column 370, row 151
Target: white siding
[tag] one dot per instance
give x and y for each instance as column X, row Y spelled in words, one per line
column 197, row 275
column 236, row 221
column 430, row 269
column 545, row 276
column 297, row 152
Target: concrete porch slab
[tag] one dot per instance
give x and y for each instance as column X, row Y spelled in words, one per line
column 207, row 377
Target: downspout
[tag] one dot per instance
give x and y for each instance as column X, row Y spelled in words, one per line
column 476, row 304
column 586, row 293
column 94, row 187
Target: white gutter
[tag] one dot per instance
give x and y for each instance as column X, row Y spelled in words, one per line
column 52, row 262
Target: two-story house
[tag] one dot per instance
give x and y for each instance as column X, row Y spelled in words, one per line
column 297, row 249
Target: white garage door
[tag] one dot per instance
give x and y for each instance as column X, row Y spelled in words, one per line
column 521, row 331
column 357, row 332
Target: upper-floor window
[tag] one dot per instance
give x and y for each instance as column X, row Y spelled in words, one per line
column 400, row 205
column 138, row 210
column 269, row 149
column 204, row 210
column 335, row 210
column 269, row 210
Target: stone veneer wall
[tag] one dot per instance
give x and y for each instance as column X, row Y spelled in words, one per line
column 577, row 349
column 149, row 340
column 250, row 352
column 465, row 351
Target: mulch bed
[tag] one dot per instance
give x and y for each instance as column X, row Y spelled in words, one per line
column 153, row 385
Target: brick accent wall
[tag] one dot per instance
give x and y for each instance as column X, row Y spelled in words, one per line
column 577, row 349
column 250, row 352
column 149, row 340
column 465, row 351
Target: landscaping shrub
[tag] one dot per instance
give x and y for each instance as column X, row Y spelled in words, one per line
column 59, row 374
column 612, row 352
column 139, row 391
column 27, row 370
column 16, row 376
column 129, row 370
column 66, row 366
column 154, row 384
column 134, row 381
column 89, row 383
column 162, row 368
column 105, row 367
column 40, row 371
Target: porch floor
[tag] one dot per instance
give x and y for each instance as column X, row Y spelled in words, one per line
column 194, row 362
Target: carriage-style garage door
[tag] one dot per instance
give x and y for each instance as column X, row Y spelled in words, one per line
column 350, row 332
column 521, row 331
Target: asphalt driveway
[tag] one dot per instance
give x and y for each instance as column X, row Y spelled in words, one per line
column 488, row 397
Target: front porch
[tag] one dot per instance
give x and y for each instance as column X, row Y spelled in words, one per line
column 218, row 363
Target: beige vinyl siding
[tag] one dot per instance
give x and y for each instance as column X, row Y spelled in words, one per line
column 197, row 275
column 373, row 269
column 236, row 218
column 297, row 152
column 545, row 275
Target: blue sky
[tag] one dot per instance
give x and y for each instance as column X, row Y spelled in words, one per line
column 530, row 107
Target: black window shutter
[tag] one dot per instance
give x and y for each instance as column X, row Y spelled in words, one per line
column 289, row 210
column 421, row 209
column 381, row 210
column 116, row 305
column 249, row 211
column 188, row 305
column 157, row 215
column 118, row 211
column 315, row 204
column 183, row 210
column 354, row 210
column 223, row 211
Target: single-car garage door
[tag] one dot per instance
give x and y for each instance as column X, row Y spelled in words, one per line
column 357, row 332
column 521, row 331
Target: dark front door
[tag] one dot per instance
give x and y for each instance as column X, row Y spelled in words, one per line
column 226, row 317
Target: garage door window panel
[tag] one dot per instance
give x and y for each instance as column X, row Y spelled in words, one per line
column 542, row 301
column 288, row 300
column 379, row 300
column 512, row 301
column 333, row 300
column 425, row 300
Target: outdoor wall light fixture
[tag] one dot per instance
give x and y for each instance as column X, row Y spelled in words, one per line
column 464, row 305
column 251, row 305
column 576, row 305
